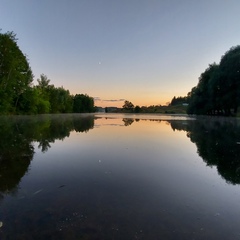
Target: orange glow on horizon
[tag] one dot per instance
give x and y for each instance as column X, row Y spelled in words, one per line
column 140, row 103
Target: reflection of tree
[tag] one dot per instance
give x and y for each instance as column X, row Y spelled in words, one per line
column 217, row 141
column 44, row 145
column 128, row 121
column 83, row 124
column 59, row 126
column 17, row 137
column 16, row 152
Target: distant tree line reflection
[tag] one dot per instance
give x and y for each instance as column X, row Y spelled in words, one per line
column 218, row 143
column 18, row 134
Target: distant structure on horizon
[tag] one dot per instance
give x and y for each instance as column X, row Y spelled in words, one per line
column 100, row 109
column 112, row 109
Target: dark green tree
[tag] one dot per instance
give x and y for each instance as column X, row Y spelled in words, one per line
column 15, row 74
column 200, row 98
column 52, row 99
column 60, row 100
column 218, row 89
column 44, row 84
column 82, row 103
column 230, row 84
column 28, row 102
column 178, row 101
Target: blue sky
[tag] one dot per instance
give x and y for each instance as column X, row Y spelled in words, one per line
column 143, row 51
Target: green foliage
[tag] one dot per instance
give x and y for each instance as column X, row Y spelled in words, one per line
column 15, row 73
column 82, row 103
column 218, row 89
column 18, row 96
column 60, row 100
column 28, row 102
column 52, row 99
column 44, row 87
column 43, row 106
column 201, row 99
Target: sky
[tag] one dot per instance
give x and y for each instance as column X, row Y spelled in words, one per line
column 143, row 51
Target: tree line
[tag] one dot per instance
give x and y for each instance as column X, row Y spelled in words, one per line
column 128, row 107
column 18, row 94
column 218, row 89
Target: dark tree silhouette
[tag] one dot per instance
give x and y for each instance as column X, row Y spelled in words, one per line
column 218, row 89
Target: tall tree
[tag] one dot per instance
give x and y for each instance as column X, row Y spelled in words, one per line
column 230, row 67
column 15, row 73
column 43, row 89
column 201, row 101
column 218, row 89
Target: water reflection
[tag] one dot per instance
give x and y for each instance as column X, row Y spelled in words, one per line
column 128, row 121
column 117, row 182
column 218, row 143
column 19, row 133
column 16, row 152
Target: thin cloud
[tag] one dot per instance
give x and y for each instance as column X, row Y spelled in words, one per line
column 114, row 100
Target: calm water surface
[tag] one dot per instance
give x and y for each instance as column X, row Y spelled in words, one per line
column 114, row 176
